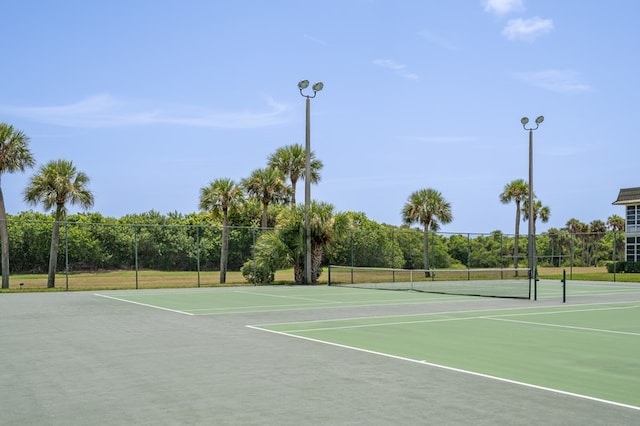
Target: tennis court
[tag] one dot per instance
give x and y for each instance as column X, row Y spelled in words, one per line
column 322, row 355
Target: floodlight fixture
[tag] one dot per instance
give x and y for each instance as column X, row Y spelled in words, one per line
column 531, row 219
column 318, row 86
column 305, row 84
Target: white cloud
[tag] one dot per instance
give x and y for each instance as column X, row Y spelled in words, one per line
column 316, row 40
column 398, row 69
column 107, row 111
column 437, row 40
column 502, row 7
column 527, row 29
column 564, row 81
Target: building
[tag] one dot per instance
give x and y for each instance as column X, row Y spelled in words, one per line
column 630, row 198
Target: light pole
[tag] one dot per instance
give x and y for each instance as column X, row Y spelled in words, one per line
column 532, row 229
column 303, row 84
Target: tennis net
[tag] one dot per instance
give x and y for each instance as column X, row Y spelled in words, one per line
column 503, row 282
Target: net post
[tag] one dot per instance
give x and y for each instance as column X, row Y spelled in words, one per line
column 564, row 286
column 329, row 275
column 531, row 279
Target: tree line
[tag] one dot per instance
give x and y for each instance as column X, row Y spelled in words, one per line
column 255, row 226
column 177, row 242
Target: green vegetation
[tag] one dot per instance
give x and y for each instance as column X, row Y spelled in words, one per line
column 57, row 184
column 14, row 157
column 249, row 231
column 588, row 274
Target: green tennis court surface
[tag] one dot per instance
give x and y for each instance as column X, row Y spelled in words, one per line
column 588, row 350
column 264, row 299
column 283, row 298
column 320, row 355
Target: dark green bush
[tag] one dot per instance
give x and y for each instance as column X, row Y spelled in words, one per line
column 622, row 266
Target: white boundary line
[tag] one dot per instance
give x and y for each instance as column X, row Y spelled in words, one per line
column 571, row 327
column 457, row 370
column 287, row 297
column 535, row 310
column 143, row 304
column 497, row 317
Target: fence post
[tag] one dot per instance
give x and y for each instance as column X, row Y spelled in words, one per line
column 198, row 252
column 615, row 248
column 573, row 253
column 253, row 255
column 135, row 251
column 351, row 247
column 66, row 254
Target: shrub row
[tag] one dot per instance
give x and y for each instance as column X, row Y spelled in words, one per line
column 623, row 266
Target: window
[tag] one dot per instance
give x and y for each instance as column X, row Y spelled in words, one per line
column 633, row 219
column 633, row 249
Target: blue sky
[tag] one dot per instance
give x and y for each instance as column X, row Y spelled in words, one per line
column 155, row 99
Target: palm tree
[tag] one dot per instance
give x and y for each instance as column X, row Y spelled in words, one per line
column 267, row 185
column 324, row 226
column 616, row 223
column 14, row 156
column 290, row 160
column 517, row 191
column 597, row 230
column 539, row 212
column 218, row 198
column 427, row 207
column 56, row 184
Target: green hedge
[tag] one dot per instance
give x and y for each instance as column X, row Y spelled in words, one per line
column 622, row 266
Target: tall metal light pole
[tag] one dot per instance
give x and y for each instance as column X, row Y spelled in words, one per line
column 307, row 176
column 532, row 229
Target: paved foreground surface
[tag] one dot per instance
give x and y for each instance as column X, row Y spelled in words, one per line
column 79, row 359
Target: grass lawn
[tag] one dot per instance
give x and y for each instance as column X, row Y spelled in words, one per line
column 116, row 280
column 587, row 274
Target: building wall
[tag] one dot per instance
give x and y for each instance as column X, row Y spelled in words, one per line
column 633, row 233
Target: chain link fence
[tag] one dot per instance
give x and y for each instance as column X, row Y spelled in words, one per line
column 144, row 254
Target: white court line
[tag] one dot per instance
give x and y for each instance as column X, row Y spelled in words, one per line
column 143, row 304
column 383, row 324
column 599, row 330
column 287, row 297
column 570, row 311
column 425, row 321
column 458, row 370
column 275, row 308
column 300, row 305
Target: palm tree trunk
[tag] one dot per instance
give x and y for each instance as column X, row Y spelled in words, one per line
column 294, row 182
column 298, row 271
column 516, row 245
column 4, row 242
column 425, row 246
column 316, row 260
column 53, row 254
column 224, row 251
column 265, row 211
